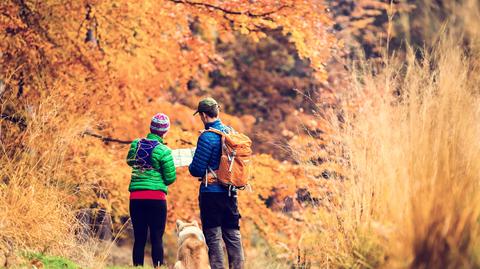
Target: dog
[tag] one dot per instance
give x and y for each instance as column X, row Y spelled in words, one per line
column 192, row 250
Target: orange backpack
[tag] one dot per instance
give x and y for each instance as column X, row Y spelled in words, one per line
column 234, row 169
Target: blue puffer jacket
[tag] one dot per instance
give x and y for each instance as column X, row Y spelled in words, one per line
column 207, row 154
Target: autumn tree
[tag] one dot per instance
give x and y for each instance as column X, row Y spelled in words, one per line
column 109, row 64
column 153, row 45
column 367, row 26
column 251, row 77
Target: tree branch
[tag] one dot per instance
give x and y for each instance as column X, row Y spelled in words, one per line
column 226, row 11
column 185, row 142
column 16, row 119
column 107, row 139
column 31, row 19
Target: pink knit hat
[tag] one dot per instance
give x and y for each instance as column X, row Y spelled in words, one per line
column 160, row 124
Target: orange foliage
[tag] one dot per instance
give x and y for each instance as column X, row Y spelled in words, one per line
column 113, row 62
column 130, row 52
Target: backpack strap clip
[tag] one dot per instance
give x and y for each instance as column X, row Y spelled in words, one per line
column 232, row 188
column 210, row 174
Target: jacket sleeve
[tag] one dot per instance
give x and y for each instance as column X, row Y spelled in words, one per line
column 199, row 164
column 167, row 167
column 132, row 152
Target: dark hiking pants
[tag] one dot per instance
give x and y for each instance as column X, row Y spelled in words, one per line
column 148, row 214
column 220, row 221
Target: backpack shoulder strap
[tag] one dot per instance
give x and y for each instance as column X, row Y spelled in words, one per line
column 213, row 130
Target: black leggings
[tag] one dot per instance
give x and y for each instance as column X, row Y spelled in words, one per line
column 148, row 214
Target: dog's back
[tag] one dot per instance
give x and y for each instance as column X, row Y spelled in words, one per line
column 193, row 254
column 192, row 251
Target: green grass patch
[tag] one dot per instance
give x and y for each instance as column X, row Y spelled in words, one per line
column 50, row 262
column 55, row 262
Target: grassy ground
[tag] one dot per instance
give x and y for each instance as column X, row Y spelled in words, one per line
column 37, row 261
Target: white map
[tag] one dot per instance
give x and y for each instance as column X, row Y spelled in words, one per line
column 183, row 157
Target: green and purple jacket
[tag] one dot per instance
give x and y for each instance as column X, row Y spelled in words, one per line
column 152, row 163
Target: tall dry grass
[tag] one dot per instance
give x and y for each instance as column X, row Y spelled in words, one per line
column 409, row 140
column 39, row 182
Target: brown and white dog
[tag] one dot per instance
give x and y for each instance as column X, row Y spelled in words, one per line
column 192, row 250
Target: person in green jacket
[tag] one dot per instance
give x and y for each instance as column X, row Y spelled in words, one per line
column 153, row 170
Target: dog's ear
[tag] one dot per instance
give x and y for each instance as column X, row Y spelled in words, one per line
column 179, row 224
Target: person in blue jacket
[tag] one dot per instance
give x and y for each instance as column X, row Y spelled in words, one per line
column 218, row 207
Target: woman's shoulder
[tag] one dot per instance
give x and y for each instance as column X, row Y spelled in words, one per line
column 162, row 149
column 134, row 142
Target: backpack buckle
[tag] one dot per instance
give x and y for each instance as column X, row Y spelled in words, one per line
column 210, row 174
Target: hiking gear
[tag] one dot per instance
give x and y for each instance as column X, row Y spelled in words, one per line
column 207, row 154
column 152, row 163
column 234, row 169
column 160, row 124
column 143, row 156
column 219, row 209
column 233, row 244
column 210, row 177
column 148, row 215
column 148, row 195
column 207, row 105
